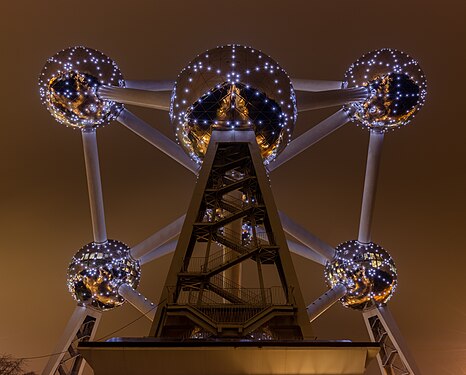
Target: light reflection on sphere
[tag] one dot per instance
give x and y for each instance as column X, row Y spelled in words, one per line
column 397, row 86
column 366, row 270
column 233, row 87
column 68, row 87
column 98, row 270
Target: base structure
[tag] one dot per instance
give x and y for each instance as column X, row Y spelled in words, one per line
column 205, row 357
column 231, row 303
column 81, row 328
column 394, row 357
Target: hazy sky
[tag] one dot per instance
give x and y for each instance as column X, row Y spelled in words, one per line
column 420, row 208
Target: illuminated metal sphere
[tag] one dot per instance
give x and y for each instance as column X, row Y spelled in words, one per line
column 397, row 86
column 68, row 87
column 233, row 87
column 366, row 270
column 98, row 270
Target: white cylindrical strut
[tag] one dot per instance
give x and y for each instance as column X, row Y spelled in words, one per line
column 94, row 185
column 142, row 98
column 159, row 238
column 136, row 299
column 315, row 85
column 370, row 185
column 325, row 301
column 312, row 136
column 151, row 85
column 308, row 101
column 157, row 139
column 306, row 238
column 306, row 252
column 68, row 339
column 158, row 252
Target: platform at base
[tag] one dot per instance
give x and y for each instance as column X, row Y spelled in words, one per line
column 200, row 357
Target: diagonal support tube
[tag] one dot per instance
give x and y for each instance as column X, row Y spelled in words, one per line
column 315, row 85
column 383, row 329
column 325, row 301
column 83, row 319
column 157, row 139
column 370, row 185
column 306, row 238
column 94, row 185
column 308, row 101
column 136, row 299
column 158, row 252
column 151, row 85
column 142, row 98
column 312, row 136
column 158, row 239
column 306, row 252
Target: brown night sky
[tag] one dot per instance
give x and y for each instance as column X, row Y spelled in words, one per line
column 420, row 209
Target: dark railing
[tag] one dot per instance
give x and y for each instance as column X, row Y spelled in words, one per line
column 237, row 248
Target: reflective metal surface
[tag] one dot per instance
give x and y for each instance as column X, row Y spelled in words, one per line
column 397, row 85
column 367, row 271
column 68, row 87
column 233, row 87
column 97, row 271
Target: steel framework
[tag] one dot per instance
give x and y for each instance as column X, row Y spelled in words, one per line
column 206, row 293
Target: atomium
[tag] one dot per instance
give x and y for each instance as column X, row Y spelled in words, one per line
column 98, row 270
column 366, row 270
column 68, row 87
column 233, row 87
column 397, row 87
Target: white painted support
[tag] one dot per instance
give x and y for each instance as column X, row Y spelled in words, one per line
column 306, row 252
column 325, row 301
column 166, row 248
column 142, row 98
column 395, row 336
column 140, row 302
column 370, row 185
column 312, row 136
column 94, row 185
column 306, row 238
column 315, row 85
column 308, row 101
column 159, row 238
column 157, row 139
column 69, row 335
column 151, row 85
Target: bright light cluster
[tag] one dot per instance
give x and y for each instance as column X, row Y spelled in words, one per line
column 98, row 270
column 233, row 87
column 397, row 87
column 68, row 87
column 366, row 270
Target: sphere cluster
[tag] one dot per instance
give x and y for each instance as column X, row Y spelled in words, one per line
column 366, row 270
column 68, row 87
column 397, row 87
column 98, row 270
column 233, row 87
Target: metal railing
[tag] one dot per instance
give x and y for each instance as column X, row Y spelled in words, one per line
column 237, row 248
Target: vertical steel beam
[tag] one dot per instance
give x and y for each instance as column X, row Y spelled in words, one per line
column 370, row 185
column 94, row 185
